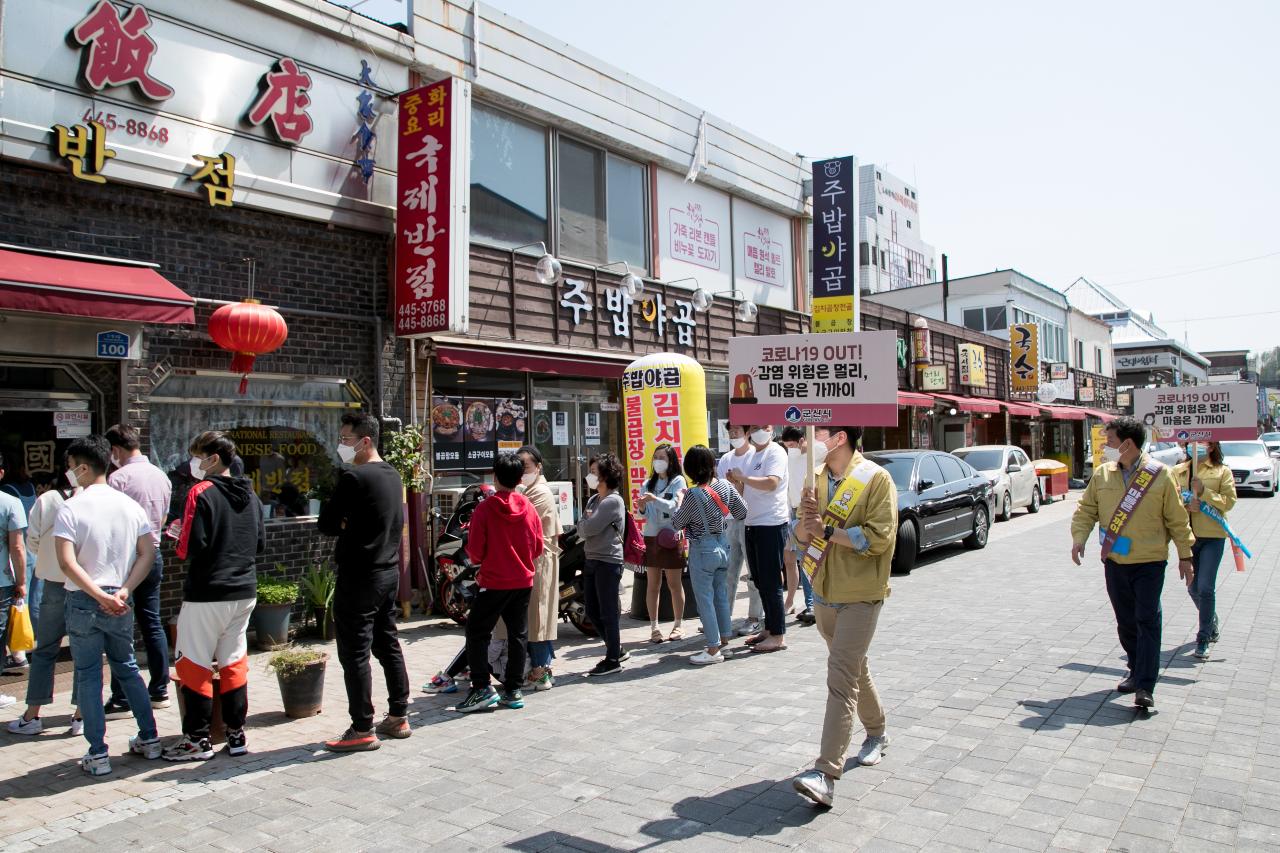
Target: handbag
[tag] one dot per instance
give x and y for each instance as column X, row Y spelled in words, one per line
column 22, row 637
column 669, row 539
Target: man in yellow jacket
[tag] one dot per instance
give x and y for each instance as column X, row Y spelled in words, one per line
column 849, row 529
column 1138, row 508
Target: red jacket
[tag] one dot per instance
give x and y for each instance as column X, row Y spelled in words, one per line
column 505, row 538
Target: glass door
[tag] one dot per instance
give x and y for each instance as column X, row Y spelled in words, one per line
column 574, row 421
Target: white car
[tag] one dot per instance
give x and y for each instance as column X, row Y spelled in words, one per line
column 1255, row 469
column 1013, row 479
column 1271, row 440
column 1168, row 452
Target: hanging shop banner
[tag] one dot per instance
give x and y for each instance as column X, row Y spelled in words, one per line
column 835, row 286
column 664, row 400
column 511, row 416
column 847, row 379
column 1199, row 412
column 432, row 220
column 447, row 442
column 1024, row 356
column 934, row 378
column 479, row 433
column 1058, row 371
column 973, row 365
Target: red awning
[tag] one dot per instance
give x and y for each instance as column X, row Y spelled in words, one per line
column 82, row 286
column 1103, row 416
column 907, row 398
column 970, row 404
column 1065, row 413
column 1021, row 410
column 527, row 362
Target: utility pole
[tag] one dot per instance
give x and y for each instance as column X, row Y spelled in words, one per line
column 946, row 287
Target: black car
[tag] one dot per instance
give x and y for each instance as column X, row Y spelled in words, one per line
column 941, row 500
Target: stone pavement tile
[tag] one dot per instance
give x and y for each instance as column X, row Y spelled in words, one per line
column 1138, row 844
column 1158, row 830
column 1213, row 814
column 907, row 833
column 1070, row 839
column 1091, row 825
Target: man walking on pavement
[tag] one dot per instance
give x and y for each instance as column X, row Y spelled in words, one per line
column 366, row 513
column 762, row 481
column 733, row 460
column 848, row 530
column 1138, row 507
column 151, row 489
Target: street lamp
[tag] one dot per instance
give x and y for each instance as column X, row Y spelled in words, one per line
column 703, row 300
column 632, row 284
column 547, row 270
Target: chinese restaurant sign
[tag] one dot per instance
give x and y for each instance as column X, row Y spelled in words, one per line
column 1199, row 412
column 1024, row 356
column 835, row 288
column 432, row 224
column 845, row 379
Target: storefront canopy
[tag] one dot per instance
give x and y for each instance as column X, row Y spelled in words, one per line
column 86, row 286
column 1065, row 413
column 1021, row 410
column 907, row 398
column 527, row 362
column 970, row 404
column 1102, row 416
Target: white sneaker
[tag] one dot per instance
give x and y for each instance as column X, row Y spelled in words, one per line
column 751, row 627
column 704, row 659
column 23, row 726
column 815, row 785
column 6, row 700
column 77, row 727
column 148, row 749
column 96, row 765
column 873, row 750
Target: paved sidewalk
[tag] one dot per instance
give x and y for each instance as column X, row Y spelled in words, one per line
column 996, row 667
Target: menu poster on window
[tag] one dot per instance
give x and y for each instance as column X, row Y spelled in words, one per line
column 480, row 436
column 591, row 428
column 560, row 429
column 512, row 416
column 446, row 433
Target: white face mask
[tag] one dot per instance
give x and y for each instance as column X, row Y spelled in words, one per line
column 819, row 452
column 793, row 452
column 346, row 454
column 761, row 437
column 736, row 443
column 196, row 470
column 1110, row 454
column 528, row 479
column 659, row 466
column 71, row 478
column 593, row 482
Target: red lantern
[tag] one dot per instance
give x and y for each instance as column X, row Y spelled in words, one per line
column 248, row 329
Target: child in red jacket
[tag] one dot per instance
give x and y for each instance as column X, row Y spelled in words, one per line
column 505, row 539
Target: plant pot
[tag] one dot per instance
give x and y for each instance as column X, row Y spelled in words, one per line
column 303, row 692
column 271, row 625
column 640, row 605
column 324, row 622
column 313, row 506
column 217, row 728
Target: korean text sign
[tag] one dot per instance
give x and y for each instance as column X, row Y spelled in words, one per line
column 1024, row 356
column 664, row 401
column 845, row 379
column 835, row 288
column 973, row 365
column 432, row 185
column 1199, row 412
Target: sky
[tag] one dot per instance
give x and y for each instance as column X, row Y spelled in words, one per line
column 1132, row 143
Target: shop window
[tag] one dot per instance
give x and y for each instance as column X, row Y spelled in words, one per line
column 717, row 407
column 508, row 179
column 580, row 178
column 973, row 319
column 286, row 432
column 996, row 318
column 1097, row 359
column 474, row 414
column 625, row 189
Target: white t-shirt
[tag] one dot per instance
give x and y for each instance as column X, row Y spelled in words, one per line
column 732, row 461
column 767, row 508
column 104, row 525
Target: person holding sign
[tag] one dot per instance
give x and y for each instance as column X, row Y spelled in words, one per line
column 1138, row 506
column 762, row 481
column 848, row 527
column 1209, row 490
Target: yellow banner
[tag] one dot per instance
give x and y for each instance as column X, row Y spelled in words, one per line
column 833, row 314
column 664, row 401
column 1024, row 356
column 973, row 365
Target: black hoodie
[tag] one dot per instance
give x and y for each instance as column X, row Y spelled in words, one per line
column 222, row 534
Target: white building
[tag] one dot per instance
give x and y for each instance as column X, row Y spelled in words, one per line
column 891, row 253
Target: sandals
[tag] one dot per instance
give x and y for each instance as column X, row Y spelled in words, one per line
column 655, row 636
column 758, row 638
column 677, row 633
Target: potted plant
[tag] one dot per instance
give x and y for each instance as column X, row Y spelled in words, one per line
column 406, row 452
column 276, row 598
column 318, row 586
column 319, row 493
column 301, row 676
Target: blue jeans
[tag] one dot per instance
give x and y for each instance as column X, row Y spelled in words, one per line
column 1206, row 555
column 1134, row 589
column 146, row 604
column 542, row 652
column 94, row 633
column 49, row 633
column 709, row 576
column 35, row 590
column 6, row 601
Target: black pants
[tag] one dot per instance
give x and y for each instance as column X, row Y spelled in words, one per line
column 1135, row 590
column 198, row 718
column 764, row 558
column 512, row 607
column 364, row 619
column 602, row 582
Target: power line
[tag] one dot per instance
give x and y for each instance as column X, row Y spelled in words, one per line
column 1193, row 272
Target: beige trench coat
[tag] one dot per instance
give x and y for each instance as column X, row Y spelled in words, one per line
column 544, row 600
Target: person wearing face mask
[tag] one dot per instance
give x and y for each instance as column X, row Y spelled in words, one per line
column 544, row 600
column 602, row 533
column 366, row 514
column 849, row 527
column 763, row 482
column 659, row 498
column 222, row 536
column 135, row 476
column 740, row 451
column 1213, row 485
column 1137, row 505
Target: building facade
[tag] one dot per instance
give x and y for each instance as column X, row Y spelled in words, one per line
column 891, row 252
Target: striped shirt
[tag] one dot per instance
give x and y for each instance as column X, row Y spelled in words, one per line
column 699, row 514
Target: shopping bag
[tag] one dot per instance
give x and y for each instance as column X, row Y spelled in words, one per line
column 22, row 637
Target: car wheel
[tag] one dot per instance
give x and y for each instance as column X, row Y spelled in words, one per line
column 1271, row 492
column 1006, row 508
column 981, row 529
column 1034, row 506
column 907, row 548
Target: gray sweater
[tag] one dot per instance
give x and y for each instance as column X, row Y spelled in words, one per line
column 600, row 528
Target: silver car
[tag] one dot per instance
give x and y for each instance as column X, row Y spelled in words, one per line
column 1254, row 468
column 1013, row 479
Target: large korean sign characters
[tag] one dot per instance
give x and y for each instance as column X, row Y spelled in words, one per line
column 664, row 401
column 432, row 223
column 1024, row 356
column 835, row 287
column 1199, row 412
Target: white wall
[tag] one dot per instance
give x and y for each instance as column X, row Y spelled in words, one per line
column 1092, row 333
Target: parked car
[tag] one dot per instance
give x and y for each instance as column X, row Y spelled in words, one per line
column 1168, row 452
column 1012, row 476
column 1271, row 440
column 941, row 500
column 1255, row 469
